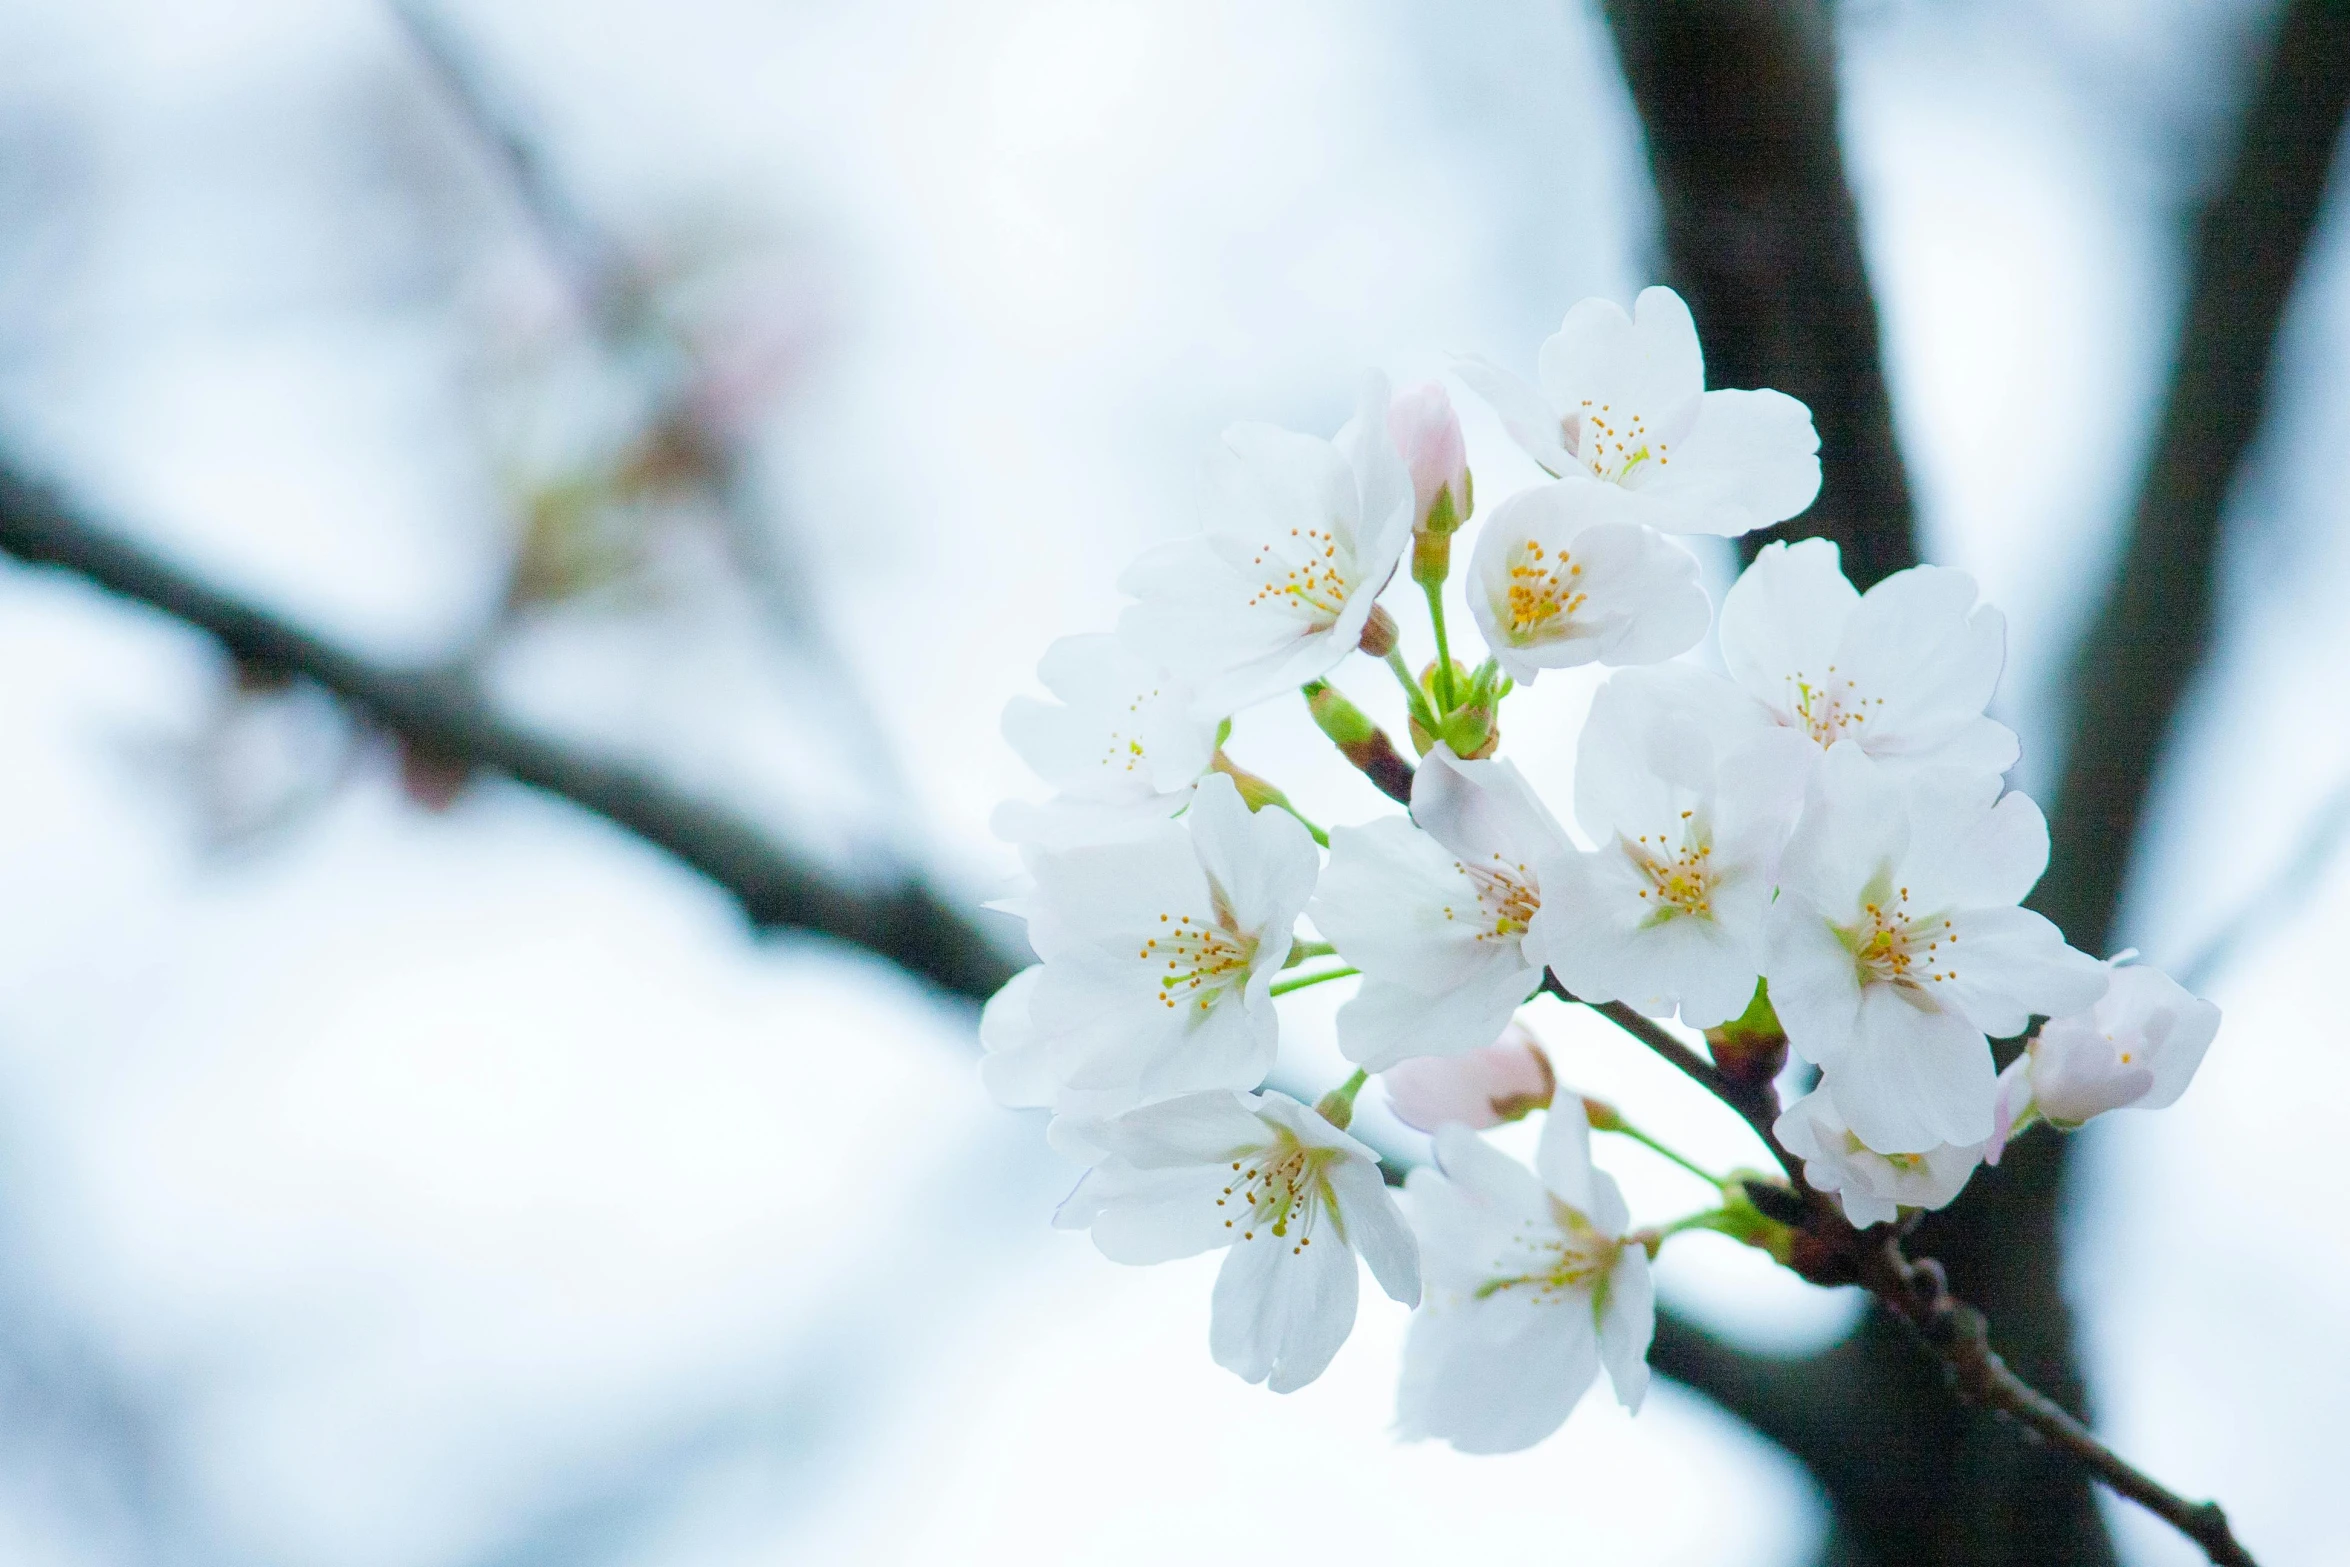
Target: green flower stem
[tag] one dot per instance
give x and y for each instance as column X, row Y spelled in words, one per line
column 1654, row 1237
column 1627, row 1129
column 1446, row 696
column 1338, row 1106
column 1282, row 987
column 1412, row 694
column 1299, row 951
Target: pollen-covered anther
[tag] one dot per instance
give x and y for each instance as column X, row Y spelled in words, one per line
column 1680, row 882
column 1281, row 1188
column 1314, row 579
column 1542, row 590
column 1202, row 961
column 1506, row 896
column 1833, row 709
column 1554, row 1264
column 1892, row 947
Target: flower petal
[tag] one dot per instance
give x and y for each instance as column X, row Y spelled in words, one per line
column 1782, row 620
column 1496, row 1375
column 1283, row 1306
column 1529, row 419
column 1751, row 460
column 1627, row 1322
column 1375, row 1227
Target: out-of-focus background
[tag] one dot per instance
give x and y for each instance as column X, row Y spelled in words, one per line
column 401, row 1167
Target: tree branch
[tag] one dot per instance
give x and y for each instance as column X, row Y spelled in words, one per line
column 444, row 713
column 1918, row 1292
column 1738, row 99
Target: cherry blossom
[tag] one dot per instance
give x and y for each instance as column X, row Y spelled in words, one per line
column 1690, row 796
column 1435, row 915
column 1303, row 535
column 1159, row 955
column 1485, row 1087
column 1872, row 1186
column 1896, row 945
column 2137, row 1048
column 1121, row 748
column 1293, row 1197
column 1561, row 575
column 1532, row 1287
column 1903, row 671
column 1623, row 402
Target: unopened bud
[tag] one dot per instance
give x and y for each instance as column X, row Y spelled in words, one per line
column 1469, row 730
column 1360, row 741
column 1601, row 1115
column 1504, row 1081
column 1751, row 1048
column 1346, row 724
column 1379, row 633
column 1428, row 434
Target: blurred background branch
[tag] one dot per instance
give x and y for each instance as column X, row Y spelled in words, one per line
column 443, row 715
column 1737, row 99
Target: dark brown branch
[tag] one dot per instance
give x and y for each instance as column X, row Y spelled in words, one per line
column 2152, row 629
column 1738, row 101
column 1920, row 1294
column 443, row 713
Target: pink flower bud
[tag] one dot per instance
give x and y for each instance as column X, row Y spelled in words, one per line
column 1485, row 1087
column 1428, row 433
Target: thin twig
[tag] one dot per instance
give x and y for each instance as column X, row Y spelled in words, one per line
column 1920, row 1294
column 1758, row 1108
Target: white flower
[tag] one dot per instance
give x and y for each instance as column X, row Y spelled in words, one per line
column 1304, row 535
column 2137, row 1048
column 1896, row 945
column 1434, row 915
column 1121, row 750
column 1494, row 1083
column 1158, row 960
column 1903, row 671
column 1531, row 1289
column 1690, row 796
column 1293, row 1196
column 1623, row 401
column 1873, row 1186
column 1561, row 576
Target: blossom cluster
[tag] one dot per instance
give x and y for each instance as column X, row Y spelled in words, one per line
column 1808, row 840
